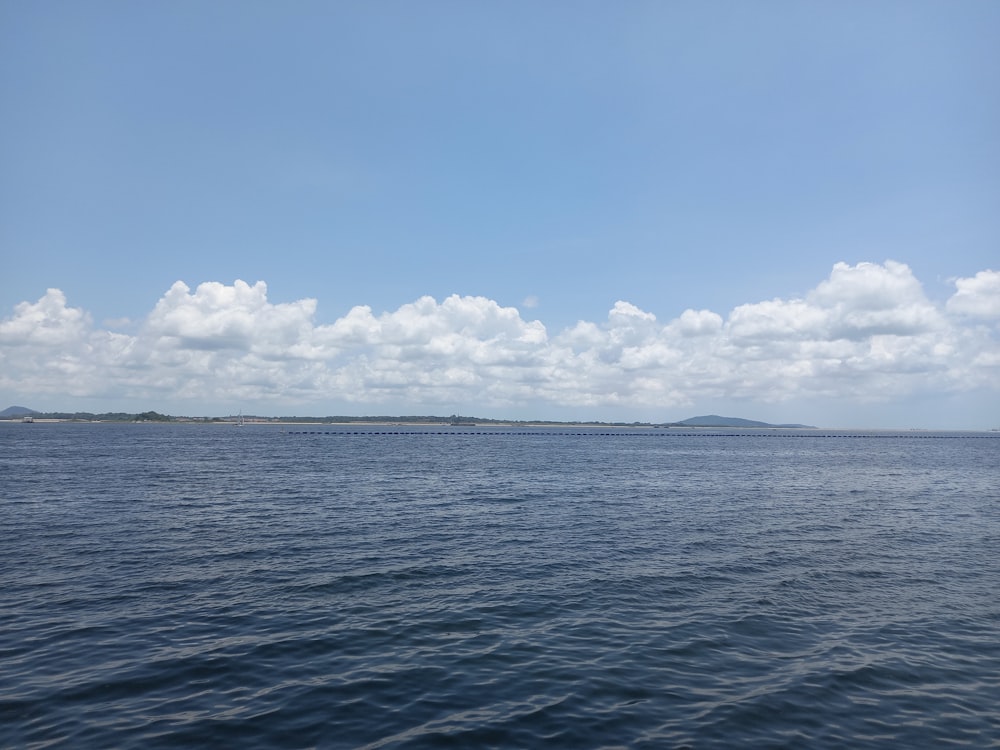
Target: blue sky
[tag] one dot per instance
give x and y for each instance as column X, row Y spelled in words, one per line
column 549, row 158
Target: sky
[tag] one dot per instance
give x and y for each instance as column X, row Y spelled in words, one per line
column 642, row 211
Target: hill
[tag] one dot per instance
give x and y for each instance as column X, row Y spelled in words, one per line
column 714, row 420
column 17, row 411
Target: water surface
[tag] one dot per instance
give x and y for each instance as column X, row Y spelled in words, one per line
column 195, row 585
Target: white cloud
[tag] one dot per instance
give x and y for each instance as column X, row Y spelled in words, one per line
column 49, row 347
column 697, row 323
column 866, row 333
column 239, row 317
column 870, row 299
column 48, row 322
column 977, row 297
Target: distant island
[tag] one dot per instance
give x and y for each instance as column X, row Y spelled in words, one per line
column 714, row 420
column 455, row 420
column 17, row 411
column 21, row 412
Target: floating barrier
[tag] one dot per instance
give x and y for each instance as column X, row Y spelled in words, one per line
column 637, row 434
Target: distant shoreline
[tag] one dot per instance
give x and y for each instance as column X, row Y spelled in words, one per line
column 440, row 425
column 707, row 422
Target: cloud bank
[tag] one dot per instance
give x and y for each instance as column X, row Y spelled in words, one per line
column 866, row 333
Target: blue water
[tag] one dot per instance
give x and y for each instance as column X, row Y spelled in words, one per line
column 208, row 586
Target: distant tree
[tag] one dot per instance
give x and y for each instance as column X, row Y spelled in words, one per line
column 151, row 416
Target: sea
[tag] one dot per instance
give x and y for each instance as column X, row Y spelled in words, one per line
column 392, row 586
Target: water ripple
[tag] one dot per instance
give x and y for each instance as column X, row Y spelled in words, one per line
column 189, row 586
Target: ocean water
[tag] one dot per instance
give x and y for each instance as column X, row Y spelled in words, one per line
column 401, row 587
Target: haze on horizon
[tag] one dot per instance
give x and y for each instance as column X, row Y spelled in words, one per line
column 568, row 211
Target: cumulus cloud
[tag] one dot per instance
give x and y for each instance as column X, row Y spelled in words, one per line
column 238, row 317
column 870, row 299
column 50, row 347
column 977, row 297
column 867, row 332
column 48, row 322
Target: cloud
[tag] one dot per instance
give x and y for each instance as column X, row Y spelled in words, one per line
column 866, row 333
column 48, row 322
column 49, row 347
column 977, row 297
column 870, row 299
column 238, row 318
